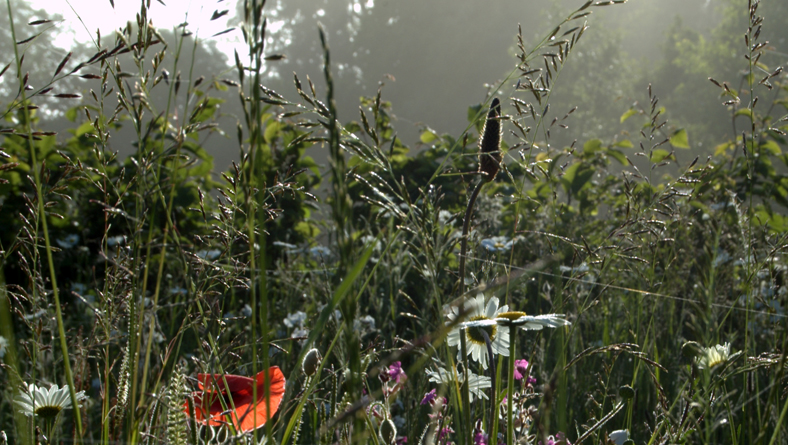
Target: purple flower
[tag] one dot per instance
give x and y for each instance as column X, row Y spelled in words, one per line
column 520, row 369
column 444, row 432
column 402, row 440
column 530, row 380
column 396, row 373
column 429, row 397
column 479, row 438
column 558, row 439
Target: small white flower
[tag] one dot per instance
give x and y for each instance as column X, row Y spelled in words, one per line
column 209, row 254
column 713, row 356
column 46, row 403
column 619, row 436
column 116, row 240
column 476, row 383
column 531, row 322
column 497, row 244
column 68, row 242
column 365, row 323
column 295, row 319
column 3, row 346
column 479, row 316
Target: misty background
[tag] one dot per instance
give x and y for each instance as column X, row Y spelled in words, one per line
column 435, row 59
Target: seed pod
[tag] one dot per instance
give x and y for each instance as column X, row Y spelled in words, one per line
column 626, row 392
column 490, row 143
column 388, row 432
column 311, row 362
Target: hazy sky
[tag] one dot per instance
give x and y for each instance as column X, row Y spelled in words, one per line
column 99, row 14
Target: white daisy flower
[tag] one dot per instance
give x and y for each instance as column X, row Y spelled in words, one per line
column 713, row 356
column 478, row 315
column 476, row 383
column 46, row 403
column 529, row 322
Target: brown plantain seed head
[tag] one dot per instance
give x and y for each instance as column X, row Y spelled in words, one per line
column 490, row 143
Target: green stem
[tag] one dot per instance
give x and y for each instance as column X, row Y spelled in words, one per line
column 466, row 389
column 466, row 223
column 494, row 396
column 510, row 386
column 42, row 212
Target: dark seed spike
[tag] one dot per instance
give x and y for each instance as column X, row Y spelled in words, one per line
column 490, row 143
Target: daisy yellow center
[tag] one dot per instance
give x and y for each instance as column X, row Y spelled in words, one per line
column 474, row 334
column 511, row 315
column 714, row 359
column 48, row 411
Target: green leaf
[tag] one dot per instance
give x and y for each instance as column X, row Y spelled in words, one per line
column 772, row 147
column 474, row 111
column 577, row 176
column 592, row 146
column 272, row 131
column 71, row 114
column 679, row 139
column 625, row 143
column 743, row 112
column 629, row 113
column 428, row 136
column 659, row 155
column 617, row 155
column 722, row 148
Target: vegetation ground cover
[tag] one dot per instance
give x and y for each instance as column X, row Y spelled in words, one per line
column 489, row 288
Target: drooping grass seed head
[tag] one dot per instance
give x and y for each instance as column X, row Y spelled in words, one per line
column 490, row 143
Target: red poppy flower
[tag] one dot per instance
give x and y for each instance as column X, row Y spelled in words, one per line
column 248, row 413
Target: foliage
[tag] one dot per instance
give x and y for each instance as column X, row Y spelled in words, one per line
column 123, row 276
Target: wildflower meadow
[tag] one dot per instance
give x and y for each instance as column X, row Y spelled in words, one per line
column 489, row 287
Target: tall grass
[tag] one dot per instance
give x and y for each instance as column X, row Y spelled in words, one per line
column 672, row 275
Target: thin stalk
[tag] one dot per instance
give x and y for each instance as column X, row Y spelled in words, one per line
column 494, row 378
column 42, row 212
column 11, row 358
column 466, row 389
column 466, row 223
column 510, row 386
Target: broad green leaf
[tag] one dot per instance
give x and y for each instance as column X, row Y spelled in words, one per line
column 625, row 143
column 592, row 146
column 722, row 148
column 774, row 220
column 472, row 113
column 659, row 155
column 679, row 139
column 772, row 147
column 272, row 131
column 576, row 176
column 629, row 113
column 617, row 155
column 743, row 112
column 71, row 114
column 700, row 206
column 427, row 136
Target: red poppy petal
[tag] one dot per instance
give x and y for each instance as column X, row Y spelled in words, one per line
column 248, row 414
column 235, row 383
column 204, row 413
column 256, row 415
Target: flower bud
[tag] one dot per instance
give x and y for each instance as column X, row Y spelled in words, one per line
column 311, row 362
column 626, row 392
column 388, row 432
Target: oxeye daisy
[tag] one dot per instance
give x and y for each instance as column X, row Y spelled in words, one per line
column 530, row 322
column 713, row 356
column 36, row 401
column 479, row 316
column 476, row 383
